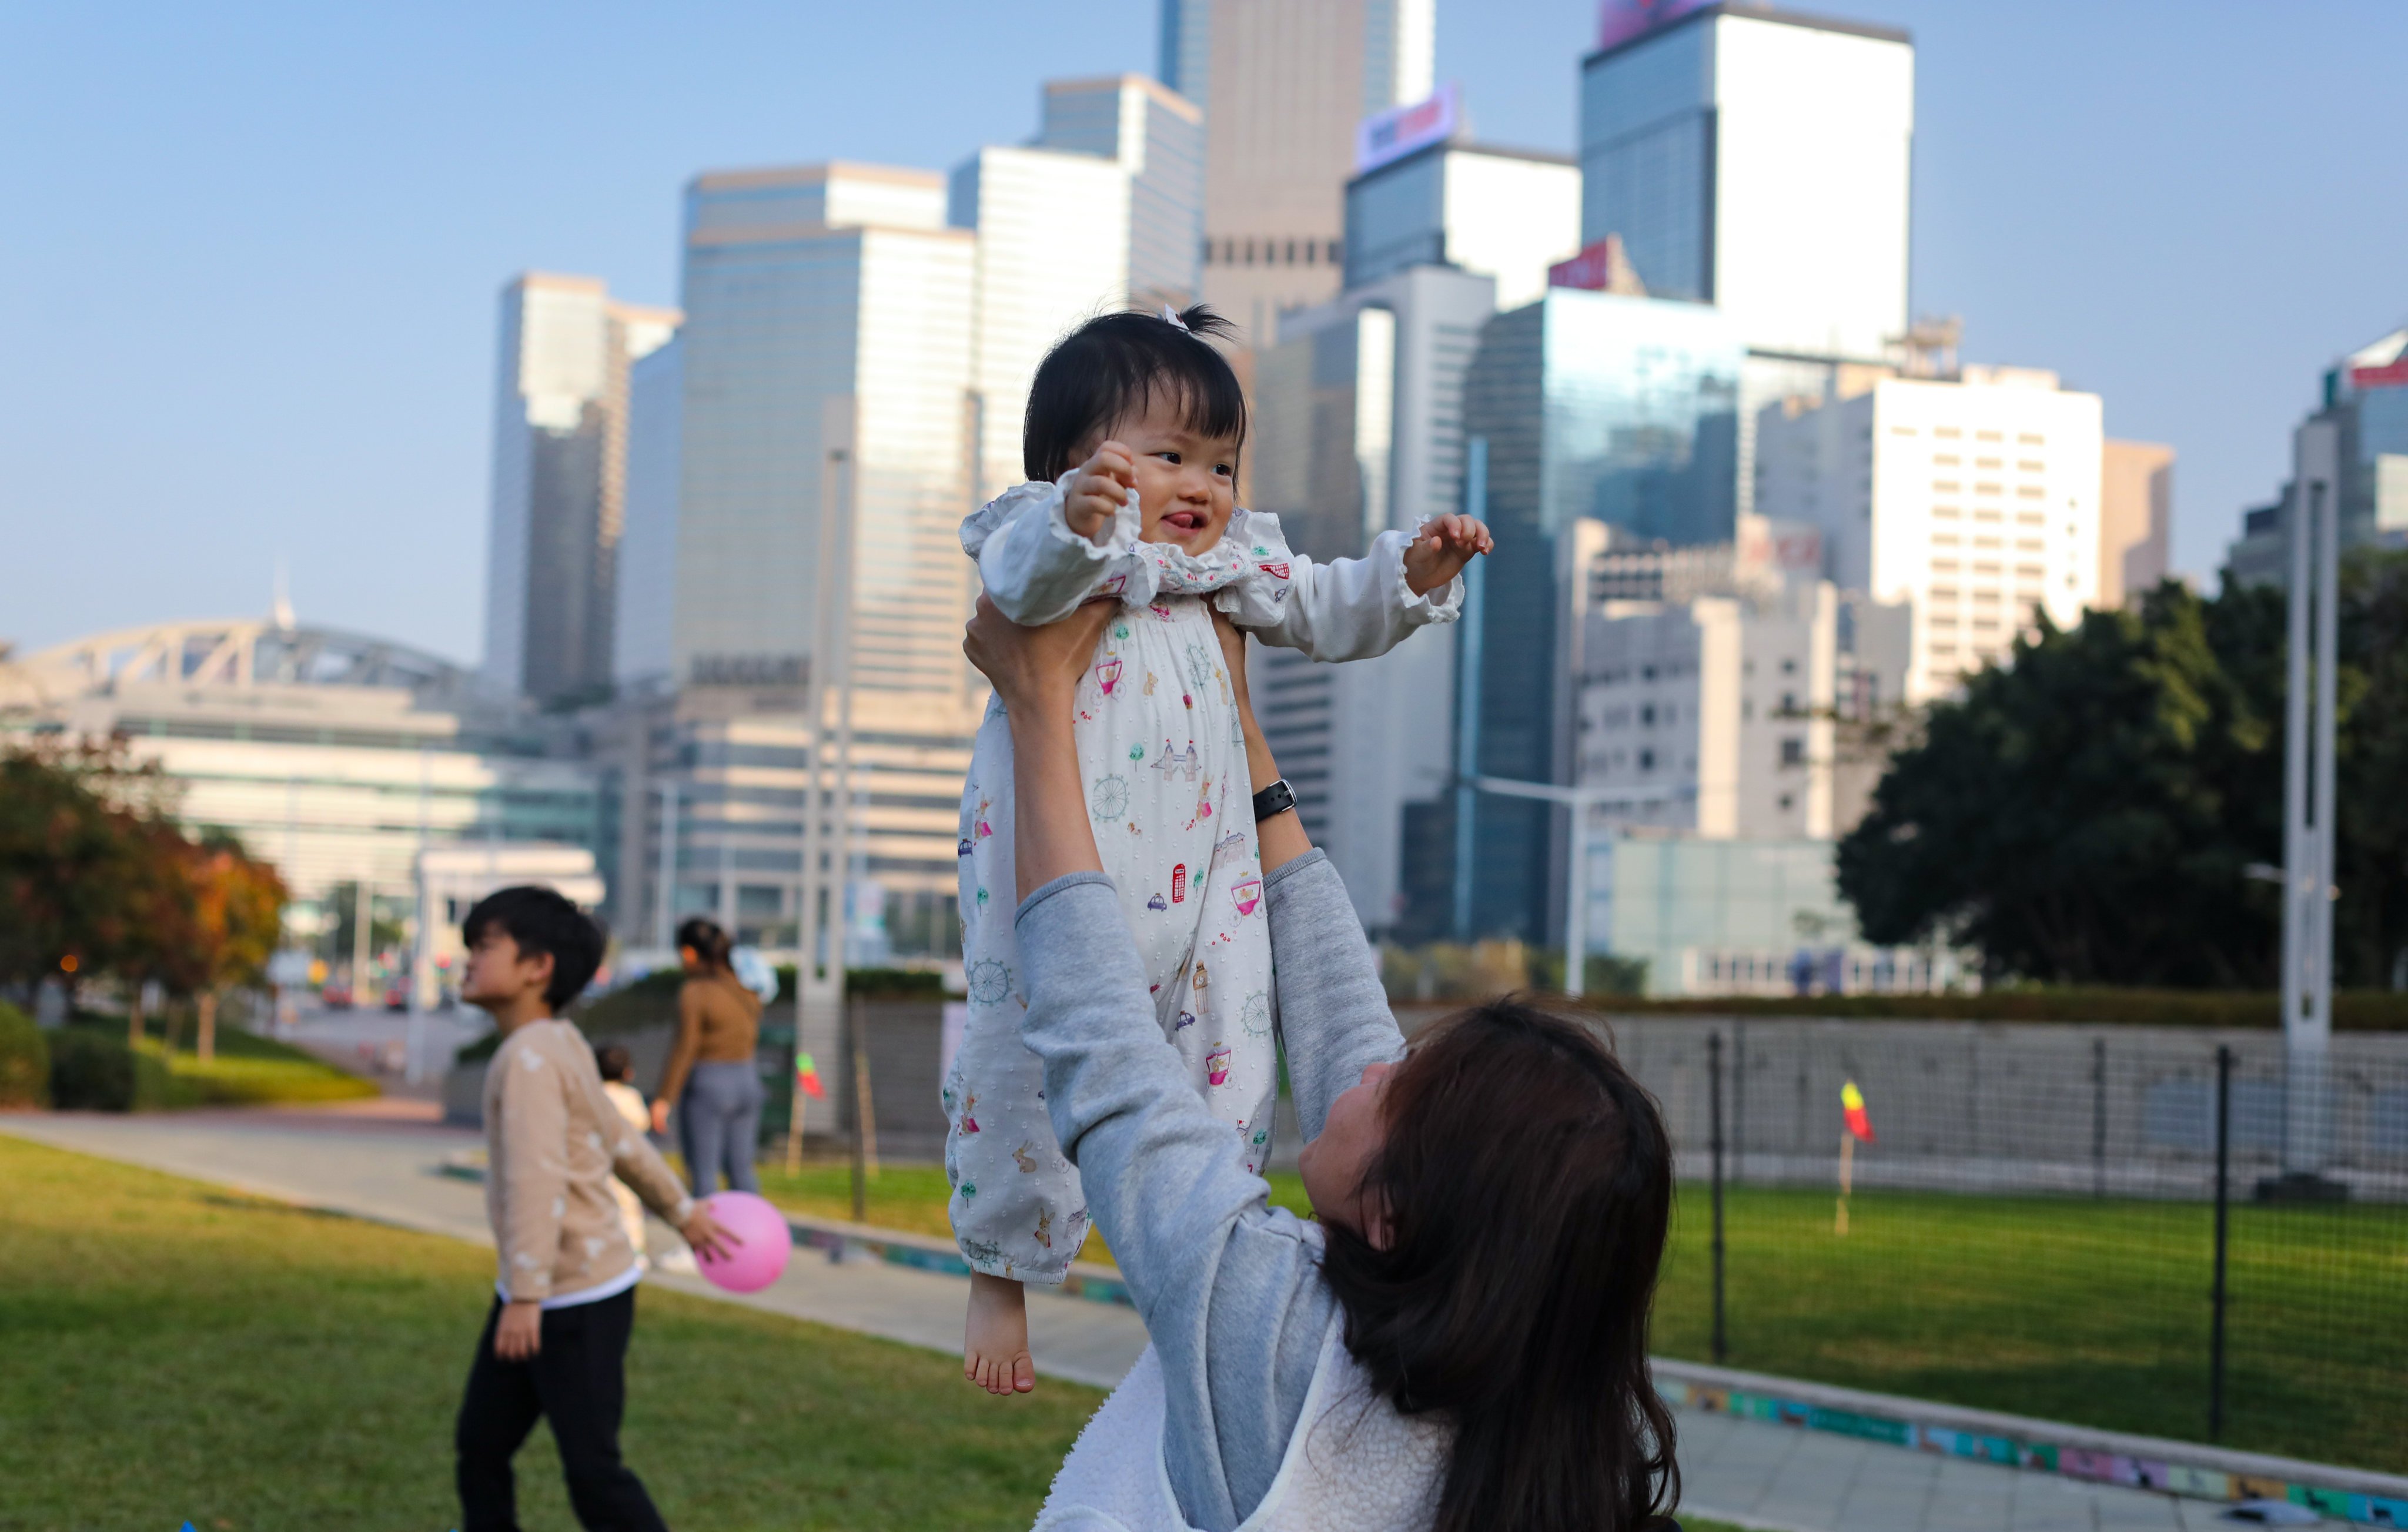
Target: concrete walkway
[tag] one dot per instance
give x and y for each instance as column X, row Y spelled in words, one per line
column 379, row 1160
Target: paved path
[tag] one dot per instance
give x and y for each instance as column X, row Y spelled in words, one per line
column 378, row 1160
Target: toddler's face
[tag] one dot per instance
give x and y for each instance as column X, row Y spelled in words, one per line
column 1186, row 484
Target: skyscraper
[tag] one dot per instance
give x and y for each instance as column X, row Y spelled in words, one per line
column 827, row 358
column 560, row 455
column 824, row 463
column 1758, row 160
column 1358, row 429
column 2136, row 506
column 1595, row 406
column 1975, row 501
column 1035, row 280
column 1282, row 85
column 1157, row 136
column 641, row 640
column 1506, row 214
column 2356, row 447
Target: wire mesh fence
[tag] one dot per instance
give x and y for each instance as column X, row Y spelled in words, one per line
column 2034, row 1225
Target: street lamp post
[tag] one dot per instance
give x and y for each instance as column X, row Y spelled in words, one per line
column 1581, row 801
column 2308, row 810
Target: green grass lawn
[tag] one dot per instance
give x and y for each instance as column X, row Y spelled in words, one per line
column 2068, row 1309
column 172, row 1350
column 2064, row 1308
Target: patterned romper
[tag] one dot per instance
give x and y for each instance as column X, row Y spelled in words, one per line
column 1163, row 759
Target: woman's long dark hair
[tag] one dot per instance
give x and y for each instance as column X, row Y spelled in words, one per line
column 710, row 944
column 1527, row 1181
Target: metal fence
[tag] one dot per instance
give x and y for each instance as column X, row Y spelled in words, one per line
column 2099, row 1225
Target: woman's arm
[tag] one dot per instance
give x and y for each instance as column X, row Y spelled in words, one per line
column 681, row 1053
column 1333, row 1010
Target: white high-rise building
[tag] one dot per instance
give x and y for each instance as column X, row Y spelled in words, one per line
column 1284, row 84
column 1976, row 502
column 1156, row 136
column 1035, row 278
column 1761, row 162
column 1504, row 213
column 560, row 453
column 1709, row 682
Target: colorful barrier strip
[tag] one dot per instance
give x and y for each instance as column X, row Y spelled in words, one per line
column 2170, row 1478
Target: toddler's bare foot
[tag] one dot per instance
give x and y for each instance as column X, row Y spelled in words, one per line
column 995, row 1345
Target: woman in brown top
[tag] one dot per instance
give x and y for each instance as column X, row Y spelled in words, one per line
column 710, row 1075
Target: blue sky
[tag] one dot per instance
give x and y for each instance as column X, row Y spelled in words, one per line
column 251, row 251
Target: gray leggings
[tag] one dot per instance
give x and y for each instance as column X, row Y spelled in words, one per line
column 719, row 1124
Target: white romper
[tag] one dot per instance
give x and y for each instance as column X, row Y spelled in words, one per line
column 1164, row 759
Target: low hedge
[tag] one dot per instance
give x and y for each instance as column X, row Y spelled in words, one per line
column 93, row 1071
column 2354, row 1010
column 25, row 1060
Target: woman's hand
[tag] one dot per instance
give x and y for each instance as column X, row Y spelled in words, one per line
column 1035, row 672
column 1035, row 668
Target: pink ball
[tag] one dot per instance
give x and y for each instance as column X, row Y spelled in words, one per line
column 761, row 1259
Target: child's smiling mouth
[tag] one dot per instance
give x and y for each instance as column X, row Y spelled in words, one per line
column 1181, row 526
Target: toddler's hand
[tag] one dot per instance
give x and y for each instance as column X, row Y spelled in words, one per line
column 1441, row 551
column 1100, row 490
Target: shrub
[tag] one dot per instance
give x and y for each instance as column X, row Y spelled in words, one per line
column 25, row 1060
column 93, row 1071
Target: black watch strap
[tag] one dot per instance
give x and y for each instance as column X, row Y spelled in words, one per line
column 1278, row 798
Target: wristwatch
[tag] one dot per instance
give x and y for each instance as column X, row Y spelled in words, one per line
column 1278, row 798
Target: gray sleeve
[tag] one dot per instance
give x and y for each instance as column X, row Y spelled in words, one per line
column 1201, row 1252
column 1333, row 1013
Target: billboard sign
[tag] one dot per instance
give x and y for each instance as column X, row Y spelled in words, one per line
column 1400, row 130
column 1619, row 21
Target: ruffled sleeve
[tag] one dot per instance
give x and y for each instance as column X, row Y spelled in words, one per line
column 1033, row 566
column 1344, row 609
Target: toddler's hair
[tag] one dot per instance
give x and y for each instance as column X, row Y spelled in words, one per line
column 613, row 1062
column 541, row 920
column 1111, row 368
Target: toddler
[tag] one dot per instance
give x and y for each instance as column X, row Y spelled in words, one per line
column 1131, row 443
column 617, row 1068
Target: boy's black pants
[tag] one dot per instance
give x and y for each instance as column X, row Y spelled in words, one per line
column 578, row 1379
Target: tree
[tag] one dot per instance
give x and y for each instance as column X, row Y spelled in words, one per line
column 76, row 859
column 238, row 907
column 2092, row 813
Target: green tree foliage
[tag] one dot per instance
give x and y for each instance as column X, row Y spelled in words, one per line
column 2089, row 814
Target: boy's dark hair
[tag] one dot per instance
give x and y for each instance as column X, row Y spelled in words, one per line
column 1110, row 367
column 542, row 922
column 613, row 1062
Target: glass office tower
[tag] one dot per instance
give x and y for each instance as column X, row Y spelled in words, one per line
column 1760, row 162
column 1598, row 406
column 823, row 469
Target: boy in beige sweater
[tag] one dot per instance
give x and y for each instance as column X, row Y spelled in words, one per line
column 555, row 1341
